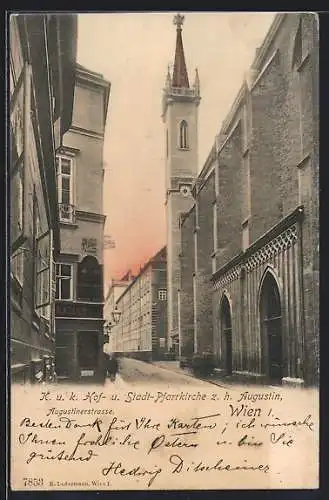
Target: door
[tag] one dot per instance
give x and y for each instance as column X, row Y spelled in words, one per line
column 88, row 350
column 64, row 354
column 271, row 319
column 226, row 327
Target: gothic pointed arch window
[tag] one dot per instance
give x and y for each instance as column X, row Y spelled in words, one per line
column 89, row 280
column 183, row 135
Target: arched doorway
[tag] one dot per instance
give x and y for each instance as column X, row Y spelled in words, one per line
column 271, row 327
column 226, row 329
column 90, row 280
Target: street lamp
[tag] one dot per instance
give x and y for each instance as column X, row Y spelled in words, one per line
column 116, row 315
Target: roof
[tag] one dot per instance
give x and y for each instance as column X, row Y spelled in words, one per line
column 160, row 254
column 86, row 70
column 180, row 76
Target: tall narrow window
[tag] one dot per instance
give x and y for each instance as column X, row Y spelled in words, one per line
column 245, row 125
column 245, row 235
column 43, row 271
column 65, row 188
column 298, row 46
column 183, row 135
column 64, row 284
column 214, row 218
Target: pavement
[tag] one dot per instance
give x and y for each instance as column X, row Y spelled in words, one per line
column 214, row 378
column 134, row 372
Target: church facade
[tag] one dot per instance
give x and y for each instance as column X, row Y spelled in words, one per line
column 249, row 280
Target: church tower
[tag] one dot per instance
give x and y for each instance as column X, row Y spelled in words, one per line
column 180, row 117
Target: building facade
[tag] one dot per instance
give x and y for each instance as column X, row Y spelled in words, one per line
column 180, row 117
column 115, row 290
column 79, row 267
column 42, row 52
column 256, row 220
column 141, row 331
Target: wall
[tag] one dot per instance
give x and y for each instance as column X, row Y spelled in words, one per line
column 88, row 195
column 176, row 205
column 187, row 267
column 31, row 336
column 204, row 206
column 229, row 199
column 86, row 97
column 73, row 234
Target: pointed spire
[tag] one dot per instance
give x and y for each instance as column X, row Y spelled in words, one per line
column 180, row 77
column 168, row 78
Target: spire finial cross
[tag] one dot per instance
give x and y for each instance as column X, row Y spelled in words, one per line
column 178, row 21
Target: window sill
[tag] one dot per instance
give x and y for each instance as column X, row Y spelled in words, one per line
column 303, row 161
column 246, row 150
column 183, row 149
column 84, row 301
column 73, row 225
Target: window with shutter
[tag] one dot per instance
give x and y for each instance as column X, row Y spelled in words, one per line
column 43, row 269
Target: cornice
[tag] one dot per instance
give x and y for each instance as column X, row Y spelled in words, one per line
column 68, row 150
column 272, row 233
column 90, row 216
column 83, row 131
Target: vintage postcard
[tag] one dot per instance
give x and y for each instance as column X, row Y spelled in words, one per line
column 164, row 251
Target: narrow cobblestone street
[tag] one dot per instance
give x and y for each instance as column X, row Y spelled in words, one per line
column 135, row 372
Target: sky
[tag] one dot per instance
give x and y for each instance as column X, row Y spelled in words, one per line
column 132, row 51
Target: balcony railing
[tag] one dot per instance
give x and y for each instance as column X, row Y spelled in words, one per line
column 184, row 92
column 67, row 213
column 78, row 310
